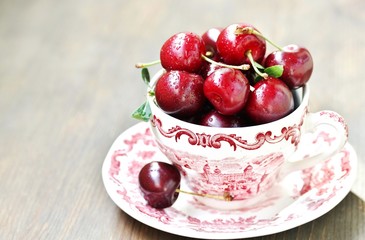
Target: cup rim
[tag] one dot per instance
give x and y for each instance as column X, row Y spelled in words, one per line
column 300, row 108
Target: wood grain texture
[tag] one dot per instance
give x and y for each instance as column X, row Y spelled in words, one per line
column 68, row 86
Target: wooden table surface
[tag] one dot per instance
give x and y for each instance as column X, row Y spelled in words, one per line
column 68, row 86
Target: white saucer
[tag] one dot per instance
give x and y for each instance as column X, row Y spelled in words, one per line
column 301, row 197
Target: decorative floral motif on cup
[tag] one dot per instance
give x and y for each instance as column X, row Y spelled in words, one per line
column 291, row 133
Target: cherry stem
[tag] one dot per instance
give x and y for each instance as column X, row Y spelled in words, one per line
column 144, row 65
column 209, row 54
column 261, row 74
column 225, row 197
column 240, row 67
column 250, row 30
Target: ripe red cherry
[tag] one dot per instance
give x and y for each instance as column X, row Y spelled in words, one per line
column 227, row 90
column 232, row 46
column 158, row 182
column 183, row 51
column 180, row 93
column 270, row 101
column 215, row 119
column 297, row 63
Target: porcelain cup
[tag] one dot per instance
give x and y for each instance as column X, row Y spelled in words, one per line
column 245, row 162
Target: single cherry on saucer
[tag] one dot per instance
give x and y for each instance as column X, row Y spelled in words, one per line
column 297, row 62
column 158, row 182
column 227, row 90
column 180, row 93
column 270, row 101
column 183, row 51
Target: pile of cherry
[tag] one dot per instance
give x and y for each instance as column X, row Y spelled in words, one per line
column 221, row 78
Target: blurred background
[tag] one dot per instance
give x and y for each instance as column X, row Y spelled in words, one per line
column 68, row 83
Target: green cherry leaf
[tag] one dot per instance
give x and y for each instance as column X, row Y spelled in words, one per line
column 143, row 113
column 275, row 71
column 145, row 75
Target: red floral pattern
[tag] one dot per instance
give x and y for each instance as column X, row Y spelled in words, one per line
column 337, row 118
column 204, row 140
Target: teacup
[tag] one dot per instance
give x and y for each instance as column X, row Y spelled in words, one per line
column 244, row 162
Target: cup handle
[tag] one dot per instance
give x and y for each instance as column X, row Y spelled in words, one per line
column 312, row 123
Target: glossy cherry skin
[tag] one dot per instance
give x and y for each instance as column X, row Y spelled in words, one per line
column 180, row 93
column 270, row 101
column 232, row 47
column 297, row 62
column 227, row 90
column 215, row 119
column 210, row 39
column 183, row 51
column 158, row 182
